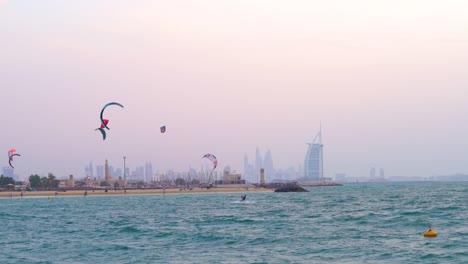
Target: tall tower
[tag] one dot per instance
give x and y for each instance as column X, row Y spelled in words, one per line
column 100, row 171
column 268, row 165
column 262, row 176
column 108, row 176
column 382, row 173
column 313, row 164
column 246, row 167
column 125, row 169
column 148, row 172
column 258, row 164
column 90, row 171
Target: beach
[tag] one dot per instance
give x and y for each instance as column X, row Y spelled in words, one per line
column 17, row 194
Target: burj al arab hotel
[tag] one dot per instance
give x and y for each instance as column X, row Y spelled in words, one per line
column 313, row 163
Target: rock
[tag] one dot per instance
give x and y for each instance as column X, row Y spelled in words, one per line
column 291, row 188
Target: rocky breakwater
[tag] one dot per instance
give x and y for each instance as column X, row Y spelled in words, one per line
column 291, row 188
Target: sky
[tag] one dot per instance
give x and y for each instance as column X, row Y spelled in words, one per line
column 386, row 79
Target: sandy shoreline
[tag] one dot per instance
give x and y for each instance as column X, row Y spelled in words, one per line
column 17, row 194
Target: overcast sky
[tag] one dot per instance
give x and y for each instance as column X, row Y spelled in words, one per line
column 387, row 79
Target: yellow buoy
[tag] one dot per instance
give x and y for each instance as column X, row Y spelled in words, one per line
column 430, row 233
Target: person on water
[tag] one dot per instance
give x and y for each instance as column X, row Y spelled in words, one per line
column 243, row 197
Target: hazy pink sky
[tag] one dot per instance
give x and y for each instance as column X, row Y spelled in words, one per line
column 387, row 79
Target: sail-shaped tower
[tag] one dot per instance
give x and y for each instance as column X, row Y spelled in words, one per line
column 313, row 164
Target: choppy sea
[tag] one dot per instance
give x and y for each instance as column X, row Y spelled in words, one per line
column 355, row 223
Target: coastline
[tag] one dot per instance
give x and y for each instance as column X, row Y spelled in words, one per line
column 45, row 194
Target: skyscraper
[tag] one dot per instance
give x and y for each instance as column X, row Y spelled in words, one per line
column 117, row 173
column 268, row 165
column 313, row 164
column 111, row 171
column 90, row 170
column 138, row 174
column 107, row 175
column 246, row 167
column 100, row 171
column 258, row 164
column 148, row 172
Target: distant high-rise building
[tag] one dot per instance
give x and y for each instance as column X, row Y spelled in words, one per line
column 382, row 173
column 262, row 176
column 246, row 167
column 258, row 164
column 107, row 175
column 100, row 171
column 118, row 173
column 139, row 174
column 111, row 171
column 372, row 172
column 313, row 164
column 268, row 165
column 148, row 172
column 251, row 173
column 90, row 170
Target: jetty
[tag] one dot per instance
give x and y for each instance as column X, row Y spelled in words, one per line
column 317, row 184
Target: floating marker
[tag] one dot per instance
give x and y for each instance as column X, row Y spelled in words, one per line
column 430, row 232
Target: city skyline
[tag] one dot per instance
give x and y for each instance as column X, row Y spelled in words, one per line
column 386, row 79
column 292, row 173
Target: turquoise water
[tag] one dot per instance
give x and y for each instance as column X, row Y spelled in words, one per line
column 356, row 223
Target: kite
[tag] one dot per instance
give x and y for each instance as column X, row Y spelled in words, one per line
column 101, row 129
column 11, row 159
column 103, row 132
column 213, row 159
column 103, row 123
column 106, row 121
column 11, row 152
column 163, row 129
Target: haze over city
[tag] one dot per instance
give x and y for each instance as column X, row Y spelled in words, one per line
column 386, row 79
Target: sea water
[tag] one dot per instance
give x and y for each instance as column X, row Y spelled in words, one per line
column 355, row 223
